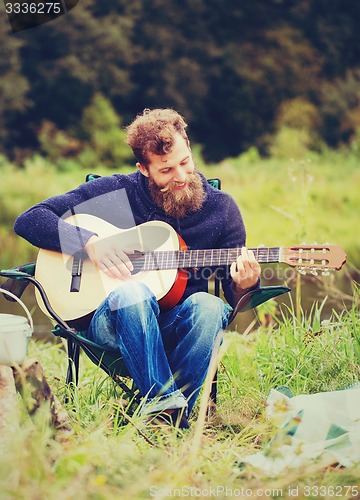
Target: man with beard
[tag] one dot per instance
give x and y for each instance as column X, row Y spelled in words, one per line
column 167, row 353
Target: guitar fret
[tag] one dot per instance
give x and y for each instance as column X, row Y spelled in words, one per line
column 150, row 264
column 183, row 255
column 155, row 260
column 226, row 256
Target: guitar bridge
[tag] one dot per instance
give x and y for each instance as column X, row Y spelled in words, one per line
column 76, row 272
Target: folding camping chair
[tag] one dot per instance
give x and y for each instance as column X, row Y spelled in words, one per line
column 109, row 360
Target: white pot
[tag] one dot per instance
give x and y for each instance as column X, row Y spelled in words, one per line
column 14, row 335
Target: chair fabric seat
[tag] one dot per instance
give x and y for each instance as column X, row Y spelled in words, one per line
column 111, row 358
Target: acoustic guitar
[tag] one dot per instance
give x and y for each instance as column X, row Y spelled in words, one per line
column 76, row 287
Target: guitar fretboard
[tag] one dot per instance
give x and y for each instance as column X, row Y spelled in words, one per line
column 182, row 259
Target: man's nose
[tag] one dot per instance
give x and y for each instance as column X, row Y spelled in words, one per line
column 180, row 174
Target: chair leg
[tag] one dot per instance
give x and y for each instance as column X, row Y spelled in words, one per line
column 73, row 363
column 211, row 409
column 213, row 392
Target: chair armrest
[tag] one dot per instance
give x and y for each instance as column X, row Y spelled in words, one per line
column 17, row 279
column 257, row 296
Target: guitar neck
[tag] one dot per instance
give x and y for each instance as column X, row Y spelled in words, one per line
column 183, row 259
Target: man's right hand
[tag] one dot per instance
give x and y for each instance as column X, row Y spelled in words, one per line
column 111, row 260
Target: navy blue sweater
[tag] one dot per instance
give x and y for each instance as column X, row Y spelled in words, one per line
column 124, row 200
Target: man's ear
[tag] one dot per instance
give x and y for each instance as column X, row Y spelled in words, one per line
column 143, row 169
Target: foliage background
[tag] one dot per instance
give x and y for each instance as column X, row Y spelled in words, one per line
column 244, row 74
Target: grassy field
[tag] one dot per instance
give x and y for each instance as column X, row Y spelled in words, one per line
column 111, row 452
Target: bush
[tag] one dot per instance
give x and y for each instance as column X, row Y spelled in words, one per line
column 102, row 130
column 298, row 123
column 57, row 143
column 99, row 142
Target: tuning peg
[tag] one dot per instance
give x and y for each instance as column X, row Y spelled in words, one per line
column 314, row 272
column 325, row 273
column 301, row 271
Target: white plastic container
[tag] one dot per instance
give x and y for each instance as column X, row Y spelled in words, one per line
column 15, row 332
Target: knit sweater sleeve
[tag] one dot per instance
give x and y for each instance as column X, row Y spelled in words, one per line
column 43, row 225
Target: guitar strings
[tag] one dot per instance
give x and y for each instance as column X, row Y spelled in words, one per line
column 170, row 259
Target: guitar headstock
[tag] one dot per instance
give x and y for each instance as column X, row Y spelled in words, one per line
column 315, row 258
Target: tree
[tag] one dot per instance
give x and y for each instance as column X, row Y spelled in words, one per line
column 226, row 66
column 13, row 87
column 70, row 59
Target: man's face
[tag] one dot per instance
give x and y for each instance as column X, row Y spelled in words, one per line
column 172, row 168
column 174, row 183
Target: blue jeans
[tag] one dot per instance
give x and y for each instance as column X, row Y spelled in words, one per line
column 167, row 354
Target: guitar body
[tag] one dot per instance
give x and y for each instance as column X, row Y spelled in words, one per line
column 53, row 270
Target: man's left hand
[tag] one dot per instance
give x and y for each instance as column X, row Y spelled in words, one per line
column 245, row 271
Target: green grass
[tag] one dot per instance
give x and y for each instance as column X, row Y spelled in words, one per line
column 110, row 455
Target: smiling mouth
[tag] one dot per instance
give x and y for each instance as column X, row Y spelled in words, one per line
column 180, row 186
column 176, row 187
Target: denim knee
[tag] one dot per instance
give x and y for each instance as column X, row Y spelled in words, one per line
column 210, row 308
column 130, row 294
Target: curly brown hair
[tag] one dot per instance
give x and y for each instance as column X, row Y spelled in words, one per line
column 153, row 132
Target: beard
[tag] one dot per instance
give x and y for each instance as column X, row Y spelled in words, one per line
column 178, row 204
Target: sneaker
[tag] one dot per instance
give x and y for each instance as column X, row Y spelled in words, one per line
column 173, row 417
